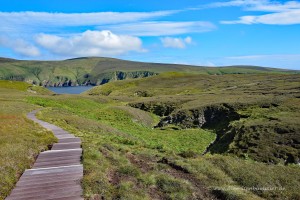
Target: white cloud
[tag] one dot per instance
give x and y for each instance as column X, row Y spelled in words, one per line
column 259, row 5
column 188, row 40
column 274, row 6
column 77, row 19
column 63, row 33
column 161, row 28
column 281, row 18
column 90, row 43
column 171, row 42
column 21, row 24
column 286, row 13
column 20, row 46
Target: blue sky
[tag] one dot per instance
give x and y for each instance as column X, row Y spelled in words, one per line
column 210, row 33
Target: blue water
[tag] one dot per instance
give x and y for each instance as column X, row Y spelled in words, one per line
column 69, row 90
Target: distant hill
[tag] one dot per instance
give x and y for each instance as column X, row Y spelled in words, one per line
column 98, row 70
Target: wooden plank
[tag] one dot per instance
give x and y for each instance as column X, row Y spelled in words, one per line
column 62, row 197
column 61, row 132
column 62, row 143
column 66, row 136
column 77, row 159
column 59, row 156
column 48, row 194
column 62, row 174
column 61, row 146
column 56, row 164
column 75, row 139
column 25, row 189
column 59, row 161
column 54, row 170
column 37, row 176
column 68, row 198
column 42, row 159
column 54, row 159
column 61, row 152
column 49, row 180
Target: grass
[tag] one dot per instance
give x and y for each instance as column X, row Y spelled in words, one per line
column 20, row 139
column 176, row 141
column 267, row 104
column 193, row 84
column 123, row 152
column 108, row 170
column 265, row 134
column 14, row 85
column 106, row 158
column 232, row 175
column 24, row 87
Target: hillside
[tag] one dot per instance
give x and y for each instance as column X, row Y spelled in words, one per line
column 97, row 71
column 22, row 87
column 252, row 115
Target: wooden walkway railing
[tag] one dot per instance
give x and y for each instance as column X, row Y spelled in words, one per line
column 57, row 173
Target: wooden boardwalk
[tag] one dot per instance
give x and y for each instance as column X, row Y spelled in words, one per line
column 56, row 174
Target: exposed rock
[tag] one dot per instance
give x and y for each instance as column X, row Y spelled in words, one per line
column 210, row 116
column 158, row 108
column 119, row 75
column 87, row 79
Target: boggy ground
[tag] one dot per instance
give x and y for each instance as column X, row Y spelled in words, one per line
column 125, row 157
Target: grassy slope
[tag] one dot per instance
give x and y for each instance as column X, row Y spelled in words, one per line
column 21, row 140
column 268, row 104
column 122, row 152
column 92, row 68
column 175, row 83
column 24, row 87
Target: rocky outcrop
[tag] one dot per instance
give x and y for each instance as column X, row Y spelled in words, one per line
column 88, row 79
column 267, row 143
column 64, row 82
column 158, row 108
column 206, row 117
column 119, row 75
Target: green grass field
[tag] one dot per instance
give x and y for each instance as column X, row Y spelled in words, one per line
column 122, row 151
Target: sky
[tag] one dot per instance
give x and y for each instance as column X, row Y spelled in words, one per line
column 196, row 32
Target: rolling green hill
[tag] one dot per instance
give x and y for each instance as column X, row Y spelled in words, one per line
column 97, row 71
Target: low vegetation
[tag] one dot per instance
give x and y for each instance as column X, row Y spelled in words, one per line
column 199, row 151
column 21, row 140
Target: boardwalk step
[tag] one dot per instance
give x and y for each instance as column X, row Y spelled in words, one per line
column 57, row 163
column 43, row 159
column 57, row 173
column 61, row 146
column 66, row 140
column 50, row 180
column 40, row 194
